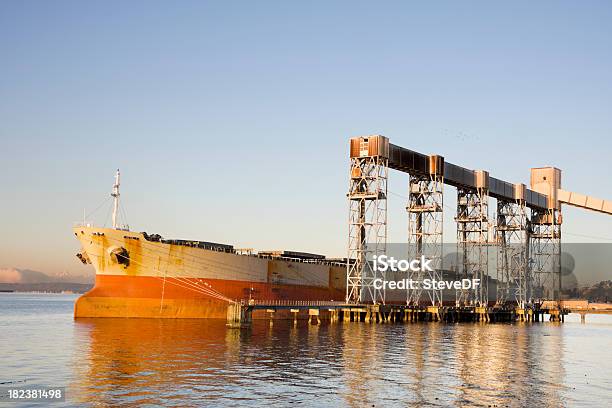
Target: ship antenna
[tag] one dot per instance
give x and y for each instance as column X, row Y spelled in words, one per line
column 115, row 195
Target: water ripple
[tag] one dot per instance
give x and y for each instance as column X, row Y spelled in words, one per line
column 136, row 362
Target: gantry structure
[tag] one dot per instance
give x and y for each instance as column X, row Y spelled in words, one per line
column 525, row 230
column 367, row 217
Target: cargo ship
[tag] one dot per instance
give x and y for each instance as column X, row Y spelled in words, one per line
column 145, row 275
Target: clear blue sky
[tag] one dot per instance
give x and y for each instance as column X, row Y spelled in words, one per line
column 230, row 120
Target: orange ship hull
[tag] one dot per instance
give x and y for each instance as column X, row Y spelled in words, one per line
column 127, row 296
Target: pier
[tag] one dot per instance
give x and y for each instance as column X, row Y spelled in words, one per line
column 240, row 315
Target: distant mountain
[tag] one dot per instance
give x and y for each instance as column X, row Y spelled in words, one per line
column 28, row 276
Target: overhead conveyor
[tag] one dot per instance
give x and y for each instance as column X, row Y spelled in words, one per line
column 584, row 202
column 411, row 162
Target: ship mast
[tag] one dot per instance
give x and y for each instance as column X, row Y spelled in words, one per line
column 115, row 195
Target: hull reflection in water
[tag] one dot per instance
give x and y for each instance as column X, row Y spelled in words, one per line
column 189, row 362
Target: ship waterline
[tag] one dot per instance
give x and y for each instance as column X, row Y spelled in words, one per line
column 138, row 275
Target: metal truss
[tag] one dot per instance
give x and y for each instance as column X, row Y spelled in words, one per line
column 511, row 238
column 367, row 227
column 472, row 238
column 545, row 254
column 425, row 220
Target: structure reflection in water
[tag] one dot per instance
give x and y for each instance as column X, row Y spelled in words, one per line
column 185, row 362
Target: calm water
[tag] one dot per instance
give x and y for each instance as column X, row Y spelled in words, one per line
column 189, row 362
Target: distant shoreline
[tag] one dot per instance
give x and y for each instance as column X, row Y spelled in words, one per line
column 45, row 287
